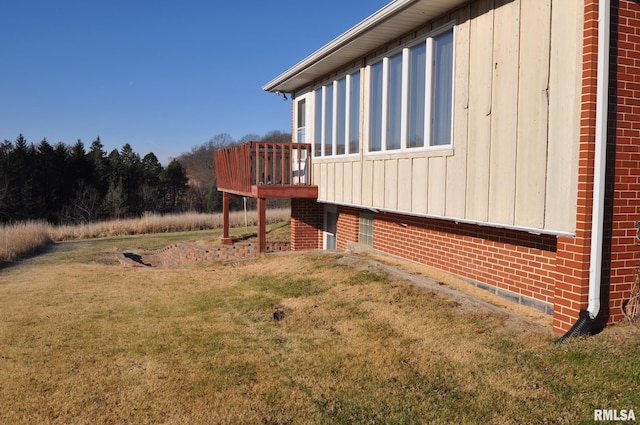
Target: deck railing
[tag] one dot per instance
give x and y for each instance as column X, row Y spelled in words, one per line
column 238, row 168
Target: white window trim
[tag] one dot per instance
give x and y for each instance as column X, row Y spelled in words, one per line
column 404, row 149
column 307, row 118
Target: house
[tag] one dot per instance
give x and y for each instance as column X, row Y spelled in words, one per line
column 498, row 140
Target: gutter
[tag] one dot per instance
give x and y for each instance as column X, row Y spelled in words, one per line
column 587, row 317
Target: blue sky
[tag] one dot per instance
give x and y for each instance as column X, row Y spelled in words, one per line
column 163, row 76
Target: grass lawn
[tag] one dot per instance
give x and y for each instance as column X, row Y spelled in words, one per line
column 84, row 340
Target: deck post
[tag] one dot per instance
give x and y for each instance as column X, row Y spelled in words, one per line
column 262, row 228
column 226, row 199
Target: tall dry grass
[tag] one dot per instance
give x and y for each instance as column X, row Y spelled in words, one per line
column 21, row 239
column 156, row 223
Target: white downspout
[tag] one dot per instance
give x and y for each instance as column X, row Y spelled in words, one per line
column 600, row 162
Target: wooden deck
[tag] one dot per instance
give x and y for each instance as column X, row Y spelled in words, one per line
column 266, row 170
column 263, row 170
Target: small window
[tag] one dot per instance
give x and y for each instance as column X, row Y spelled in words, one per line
column 442, row 89
column 341, row 117
column 302, row 121
column 317, row 123
column 354, row 113
column 365, row 235
column 375, row 113
column 328, row 120
column 394, row 103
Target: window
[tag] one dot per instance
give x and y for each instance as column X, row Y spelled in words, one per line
column 337, row 117
column 442, row 88
column 327, row 134
column 411, row 96
column 394, row 103
column 365, row 234
column 353, row 122
column 302, row 122
column 375, row 114
column 317, row 120
column 341, row 117
column 417, row 87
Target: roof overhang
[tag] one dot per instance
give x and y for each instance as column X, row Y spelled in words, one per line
column 390, row 22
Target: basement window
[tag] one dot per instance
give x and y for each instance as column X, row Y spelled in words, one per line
column 365, row 234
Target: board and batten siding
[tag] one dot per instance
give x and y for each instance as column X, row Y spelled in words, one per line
column 516, row 127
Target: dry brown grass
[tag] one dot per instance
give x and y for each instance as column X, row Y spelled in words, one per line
column 83, row 340
column 20, row 239
column 155, row 223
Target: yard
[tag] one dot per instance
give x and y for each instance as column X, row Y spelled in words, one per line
column 84, row 340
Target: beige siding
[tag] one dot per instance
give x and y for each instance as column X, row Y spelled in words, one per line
column 562, row 159
column 419, row 186
column 358, row 185
column 347, row 183
column 504, row 107
column 339, row 182
column 479, row 130
column 436, row 191
column 457, row 164
column 367, row 183
column 533, row 110
column 391, row 184
column 405, row 170
column 379, row 179
column 515, row 130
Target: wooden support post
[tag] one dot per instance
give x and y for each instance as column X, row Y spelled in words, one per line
column 226, row 198
column 262, row 228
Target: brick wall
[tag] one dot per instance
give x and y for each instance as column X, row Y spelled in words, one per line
column 572, row 260
column 515, row 261
column 181, row 254
column 622, row 203
column 348, row 226
column 306, row 222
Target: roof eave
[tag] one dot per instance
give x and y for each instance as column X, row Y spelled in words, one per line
column 280, row 83
column 334, row 53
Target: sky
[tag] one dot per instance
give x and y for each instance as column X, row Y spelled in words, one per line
column 163, row 76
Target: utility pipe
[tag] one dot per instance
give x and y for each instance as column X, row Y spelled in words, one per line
column 586, row 317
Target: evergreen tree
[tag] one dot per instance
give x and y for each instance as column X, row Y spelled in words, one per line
column 175, row 180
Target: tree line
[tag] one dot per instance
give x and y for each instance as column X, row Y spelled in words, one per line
column 63, row 183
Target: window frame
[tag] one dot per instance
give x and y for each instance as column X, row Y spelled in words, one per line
column 366, row 220
column 320, row 112
column 428, row 142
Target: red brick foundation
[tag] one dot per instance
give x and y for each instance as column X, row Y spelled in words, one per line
column 306, row 222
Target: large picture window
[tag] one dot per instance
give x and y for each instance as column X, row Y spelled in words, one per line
column 411, row 96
